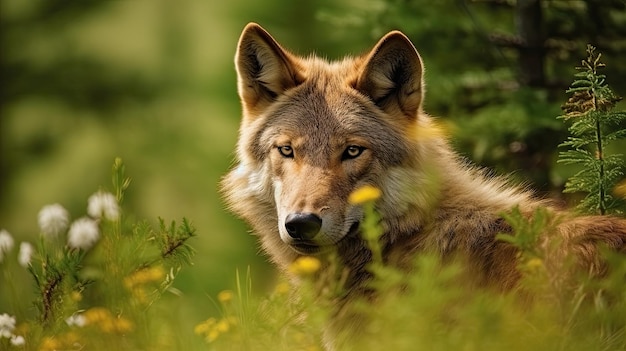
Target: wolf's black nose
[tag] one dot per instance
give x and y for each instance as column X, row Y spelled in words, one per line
column 303, row 225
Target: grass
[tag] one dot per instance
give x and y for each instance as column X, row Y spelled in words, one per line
column 432, row 309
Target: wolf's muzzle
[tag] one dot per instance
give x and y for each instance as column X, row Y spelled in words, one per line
column 303, row 225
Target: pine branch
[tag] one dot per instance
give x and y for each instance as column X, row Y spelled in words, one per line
column 589, row 109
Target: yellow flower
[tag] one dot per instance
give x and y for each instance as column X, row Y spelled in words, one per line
column 211, row 329
column 49, row 344
column 225, row 296
column 123, row 325
column 305, row 265
column 282, row 288
column 534, row 264
column 102, row 318
column 364, row 194
column 76, row 296
column 67, row 341
column 222, row 326
column 212, row 335
column 96, row 315
column 620, row 189
column 204, row 327
column 144, row 276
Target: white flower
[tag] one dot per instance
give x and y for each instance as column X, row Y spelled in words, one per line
column 102, row 204
column 53, row 220
column 6, row 244
column 17, row 340
column 7, row 324
column 76, row 320
column 83, row 234
column 26, row 252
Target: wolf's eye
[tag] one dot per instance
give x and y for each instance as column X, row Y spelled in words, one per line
column 286, row 151
column 352, row 151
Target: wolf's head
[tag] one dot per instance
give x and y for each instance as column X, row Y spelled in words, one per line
column 313, row 131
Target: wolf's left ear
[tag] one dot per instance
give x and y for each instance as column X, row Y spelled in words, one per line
column 264, row 69
column 392, row 76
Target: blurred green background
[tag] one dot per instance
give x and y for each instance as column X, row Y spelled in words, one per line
column 153, row 82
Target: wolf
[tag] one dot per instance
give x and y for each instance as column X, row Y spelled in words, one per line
column 313, row 131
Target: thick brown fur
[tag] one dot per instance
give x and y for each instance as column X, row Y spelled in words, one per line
column 313, row 131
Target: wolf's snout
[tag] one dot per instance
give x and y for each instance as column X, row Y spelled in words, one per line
column 303, row 225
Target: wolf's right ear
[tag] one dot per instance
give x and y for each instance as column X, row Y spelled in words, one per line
column 264, row 69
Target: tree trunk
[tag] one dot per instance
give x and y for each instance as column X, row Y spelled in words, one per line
column 528, row 17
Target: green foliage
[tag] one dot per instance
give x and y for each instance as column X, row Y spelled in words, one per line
column 96, row 282
column 594, row 125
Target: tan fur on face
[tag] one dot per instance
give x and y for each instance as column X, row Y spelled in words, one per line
column 432, row 199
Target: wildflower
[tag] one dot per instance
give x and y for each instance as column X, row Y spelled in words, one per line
column 205, row 327
column 83, row 234
column 282, row 288
column 123, row 325
column 364, row 194
column 17, row 340
column 76, row 319
column 7, row 324
column 116, row 325
column 212, row 335
column 103, row 204
column 620, row 189
column 211, row 329
column 305, row 265
column 225, row 296
column 534, row 264
column 53, row 220
column 144, row 276
column 96, row 315
column 103, row 319
column 25, row 255
column 76, row 296
column 223, row 326
column 6, row 243
column 50, row 344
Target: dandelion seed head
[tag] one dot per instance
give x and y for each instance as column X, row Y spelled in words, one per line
column 77, row 320
column 7, row 324
column 17, row 340
column 25, row 255
column 83, row 234
column 6, row 243
column 53, row 220
column 103, row 205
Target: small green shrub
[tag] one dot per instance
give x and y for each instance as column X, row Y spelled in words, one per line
column 594, row 126
column 96, row 280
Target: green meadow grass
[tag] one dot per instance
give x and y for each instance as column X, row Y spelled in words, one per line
column 121, row 293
